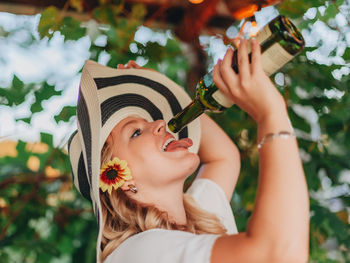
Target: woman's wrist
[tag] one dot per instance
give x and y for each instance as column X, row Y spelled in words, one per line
column 273, row 123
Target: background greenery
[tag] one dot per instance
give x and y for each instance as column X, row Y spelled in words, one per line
column 44, row 219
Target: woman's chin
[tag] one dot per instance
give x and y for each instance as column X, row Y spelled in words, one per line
column 193, row 162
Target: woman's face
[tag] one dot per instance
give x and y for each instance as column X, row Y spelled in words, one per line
column 141, row 143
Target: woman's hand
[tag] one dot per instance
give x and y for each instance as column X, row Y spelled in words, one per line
column 132, row 64
column 251, row 89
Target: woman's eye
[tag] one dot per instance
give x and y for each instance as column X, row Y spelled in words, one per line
column 136, row 133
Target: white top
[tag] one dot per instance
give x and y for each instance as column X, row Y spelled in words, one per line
column 174, row 246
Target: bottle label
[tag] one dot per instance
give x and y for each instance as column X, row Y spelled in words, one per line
column 274, row 58
column 264, row 34
column 222, row 99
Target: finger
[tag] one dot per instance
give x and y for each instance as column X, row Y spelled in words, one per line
column 227, row 61
column 128, row 65
column 230, row 78
column 226, row 71
column 243, row 61
column 132, row 64
column 226, row 65
column 218, row 81
column 135, row 65
column 120, row 66
column 256, row 56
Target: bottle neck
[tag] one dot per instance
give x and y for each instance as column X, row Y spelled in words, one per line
column 188, row 114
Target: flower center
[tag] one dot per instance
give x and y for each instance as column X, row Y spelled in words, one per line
column 112, row 174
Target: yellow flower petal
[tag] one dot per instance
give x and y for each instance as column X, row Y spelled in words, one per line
column 123, row 170
column 126, row 170
column 119, row 184
column 103, row 186
column 127, row 177
column 114, row 161
column 104, row 167
column 123, row 164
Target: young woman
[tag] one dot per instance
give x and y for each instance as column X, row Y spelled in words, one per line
column 136, row 183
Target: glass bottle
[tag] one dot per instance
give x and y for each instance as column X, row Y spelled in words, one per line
column 280, row 41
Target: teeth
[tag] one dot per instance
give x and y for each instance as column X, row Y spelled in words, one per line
column 167, row 143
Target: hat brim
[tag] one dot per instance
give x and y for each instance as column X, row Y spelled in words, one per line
column 108, row 96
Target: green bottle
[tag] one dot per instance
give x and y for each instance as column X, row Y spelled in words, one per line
column 280, row 41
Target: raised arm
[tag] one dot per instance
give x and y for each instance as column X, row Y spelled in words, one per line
column 219, row 156
column 278, row 230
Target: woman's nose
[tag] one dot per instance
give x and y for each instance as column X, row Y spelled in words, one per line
column 159, row 127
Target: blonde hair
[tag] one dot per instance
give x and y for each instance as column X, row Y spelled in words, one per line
column 124, row 217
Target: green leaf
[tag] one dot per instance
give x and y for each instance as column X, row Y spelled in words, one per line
column 46, row 138
column 26, row 120
column 330, row 12
column 3, row 32
column 346, row 55
column 71, row 29
column 23, row 155
column 47, row 91
column 16, row 94
column 108, row 13
column 138, row 11
column 44, row 93
column 112, row 37
column 36, row 107
column 61, row 162
column 66, row 113
column 297, row 8
column 299, row 122
column 17, row 84
column 172, row 46
column 49, row 22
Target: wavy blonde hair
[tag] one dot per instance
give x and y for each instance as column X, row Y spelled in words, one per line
column 124, row 217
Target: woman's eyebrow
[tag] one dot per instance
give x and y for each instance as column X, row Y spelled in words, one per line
column 130, row 122
column 126, row 124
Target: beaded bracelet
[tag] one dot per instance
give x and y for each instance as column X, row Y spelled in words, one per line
column 271, row 136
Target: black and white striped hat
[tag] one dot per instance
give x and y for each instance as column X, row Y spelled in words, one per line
column 106, row 97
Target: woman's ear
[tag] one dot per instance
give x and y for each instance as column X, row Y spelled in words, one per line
column 109, row 140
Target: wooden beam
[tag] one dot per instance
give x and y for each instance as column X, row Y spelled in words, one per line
column 25, row 9
column 196, row 17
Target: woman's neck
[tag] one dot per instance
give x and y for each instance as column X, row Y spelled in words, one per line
column 169, row 200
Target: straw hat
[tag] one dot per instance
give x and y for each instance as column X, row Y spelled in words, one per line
column 106, row 97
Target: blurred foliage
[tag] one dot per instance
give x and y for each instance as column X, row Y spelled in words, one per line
column 44, row 219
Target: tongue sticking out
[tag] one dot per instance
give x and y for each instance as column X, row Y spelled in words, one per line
column 179, row 145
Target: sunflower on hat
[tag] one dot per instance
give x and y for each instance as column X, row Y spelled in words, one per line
column 114, row 174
